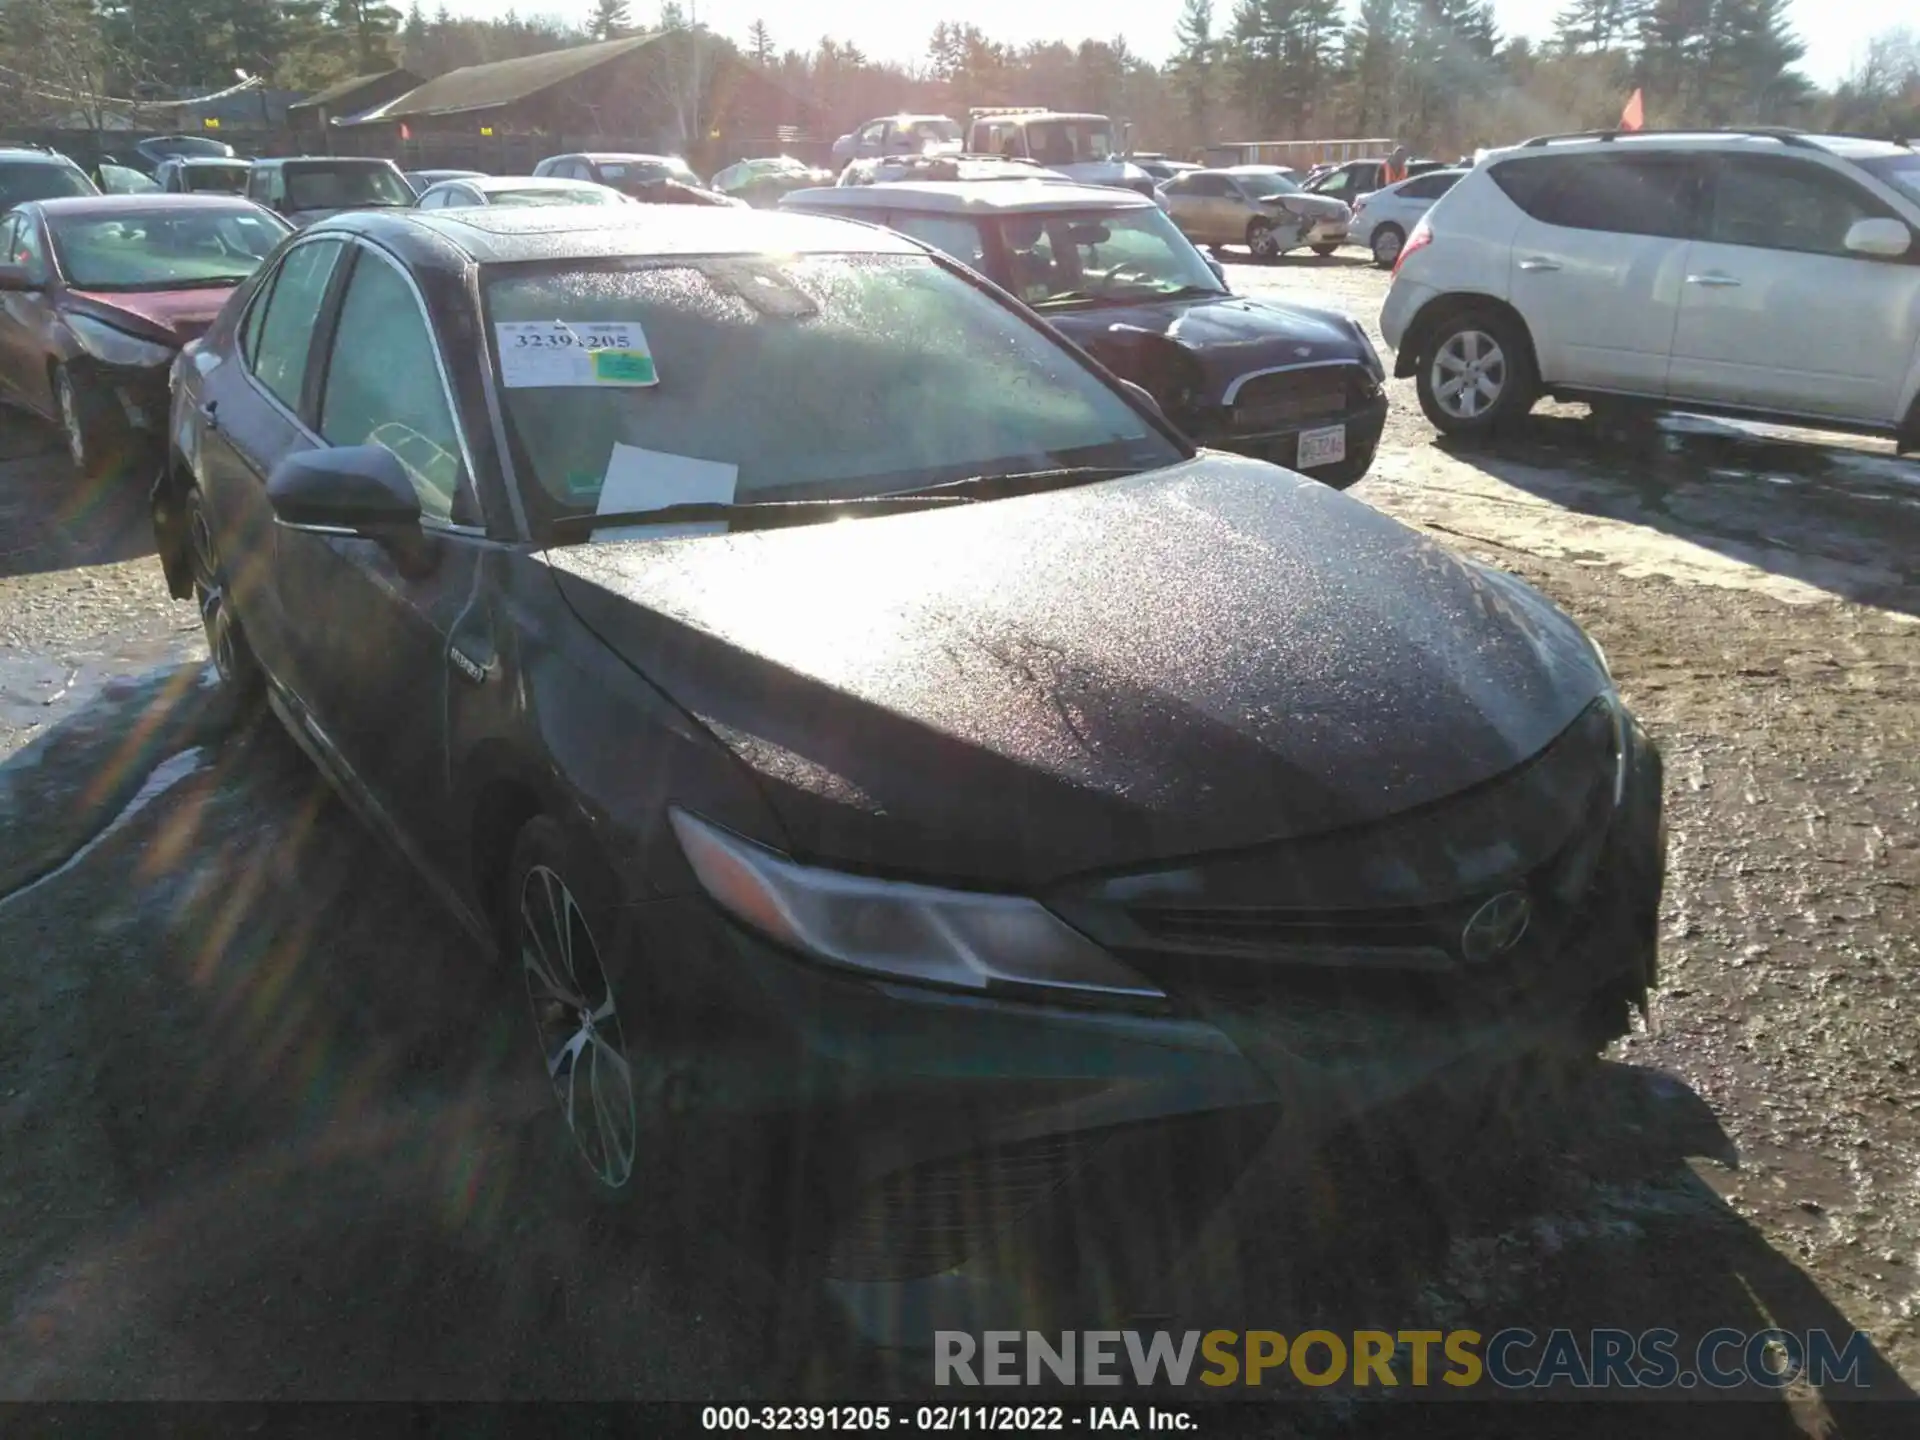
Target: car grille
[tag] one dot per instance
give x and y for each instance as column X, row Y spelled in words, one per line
column 1295, row 398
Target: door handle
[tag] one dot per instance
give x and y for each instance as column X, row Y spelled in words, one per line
column 1713, row 281
column 1539, row 262
column 209, row 412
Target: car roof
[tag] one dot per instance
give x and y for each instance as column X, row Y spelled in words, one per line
column 601, row 156
column 1772, row 142
column 319, row 160
column 958, row 196
column 187, row 162
column 13, row 155
column 509, row 233
column 521, row 182
column 149, row 203
column 1257, row 170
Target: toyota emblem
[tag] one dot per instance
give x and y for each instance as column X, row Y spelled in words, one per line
column 1496, row 927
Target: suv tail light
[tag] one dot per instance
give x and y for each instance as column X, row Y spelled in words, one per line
column 1421, row 237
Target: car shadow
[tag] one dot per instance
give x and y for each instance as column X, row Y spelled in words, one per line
column 1299, row 260
column 1836, row 517
column 52, row 519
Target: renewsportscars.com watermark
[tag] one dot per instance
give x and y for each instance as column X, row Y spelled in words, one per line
column 1510, row 1359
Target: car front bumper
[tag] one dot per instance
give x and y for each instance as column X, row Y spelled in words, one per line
column 937, row 1124
column 1405, row 299
column 1280, row 445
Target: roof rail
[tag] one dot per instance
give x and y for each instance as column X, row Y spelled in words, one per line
column 1786, row 135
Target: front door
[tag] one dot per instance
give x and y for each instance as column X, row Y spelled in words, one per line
column 1777, row 313
column 1598, row 264
column 252, row 403
column 377, row 617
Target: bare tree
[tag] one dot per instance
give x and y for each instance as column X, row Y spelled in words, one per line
column 679, row 82
column 57, row 67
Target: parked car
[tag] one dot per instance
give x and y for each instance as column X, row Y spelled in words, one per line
column 1106, row 268
column 27, row 174
column 421, row 179
column 1768, row 274
column 1354, row 178
column 1258, row 206
column 97, row 295
column 1383, row 220
column 899, row 135
column 626, row 173
column 1076, row 781
column 195, row 175
column 1162, row 167
column 519, row 190
column 761, row 183
column 150, row 153
column 970, row 168
column 305, row 188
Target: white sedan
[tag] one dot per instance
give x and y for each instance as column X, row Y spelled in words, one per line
column 1383, row 220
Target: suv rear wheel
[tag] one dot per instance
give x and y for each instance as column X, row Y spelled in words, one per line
column 1476, row 373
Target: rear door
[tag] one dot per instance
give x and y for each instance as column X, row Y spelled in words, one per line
column 1598, row 265
column 1776, row 313
column 377, row 618
column 1200, row 206
column 252, row 404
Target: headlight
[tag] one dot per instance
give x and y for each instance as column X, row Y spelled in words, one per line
column 116, row 347
column 1369, row 356
column 903, row 932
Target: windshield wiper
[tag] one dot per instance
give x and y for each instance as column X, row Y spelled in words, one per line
column 1021, row 482
column 754, row 515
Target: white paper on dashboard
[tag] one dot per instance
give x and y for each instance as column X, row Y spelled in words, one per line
column 654, row 479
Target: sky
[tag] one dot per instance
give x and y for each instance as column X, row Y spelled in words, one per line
column 1834, row 31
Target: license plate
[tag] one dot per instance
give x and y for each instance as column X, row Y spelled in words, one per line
column 1321, row 447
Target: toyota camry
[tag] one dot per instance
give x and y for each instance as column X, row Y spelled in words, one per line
column 772, row 641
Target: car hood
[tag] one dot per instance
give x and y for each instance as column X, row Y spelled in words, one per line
column 179, row 315
column 1326, row 207
column 1195, row 660
column 1225, row 337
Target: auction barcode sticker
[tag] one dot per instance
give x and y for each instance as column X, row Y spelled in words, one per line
column 583, row 353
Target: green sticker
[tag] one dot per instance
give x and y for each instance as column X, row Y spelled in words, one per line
column 583, row 482
column 623, row 367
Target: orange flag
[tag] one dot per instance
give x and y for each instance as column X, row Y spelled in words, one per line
column 1634, row 116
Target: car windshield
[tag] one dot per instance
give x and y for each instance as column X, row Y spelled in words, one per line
column 122, row 180
column 626, row 174
column 222, row 179
column 1095, row 256
column 796, row 378
column 174, row 249
column 327, row 185
column 186, row 145
column 534, row 195
column 1265, row 183
column 1067, row 142
column 1900, row 171
column 38, row 181
column 935, row 132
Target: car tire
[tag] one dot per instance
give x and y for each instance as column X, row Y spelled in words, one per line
column 1386, row 244
column 80, row 426
column 558, row 920
column 1262, row 240
column 233, row 658
column 1323, row 251
column 1475, row 373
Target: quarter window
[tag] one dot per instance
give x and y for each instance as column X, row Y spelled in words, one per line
column 384, row 386
column 286, row 334
column 1776, row 204
column 1428, row 187
column 1207, row 186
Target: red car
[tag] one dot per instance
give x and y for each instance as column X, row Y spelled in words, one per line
column 97, row 295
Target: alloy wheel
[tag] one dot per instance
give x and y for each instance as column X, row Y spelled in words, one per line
column 1386, row 246
column 1264, row 244
column 577, row 1026
column 1469, row 374
column 210, row 592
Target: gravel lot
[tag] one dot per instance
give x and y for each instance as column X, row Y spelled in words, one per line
column 263, row 1131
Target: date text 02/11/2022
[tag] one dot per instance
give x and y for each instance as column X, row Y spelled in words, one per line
column 941, row 1419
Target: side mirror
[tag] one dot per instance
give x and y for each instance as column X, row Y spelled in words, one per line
column 16, row 278
column 1883, row 237
column 352, row 490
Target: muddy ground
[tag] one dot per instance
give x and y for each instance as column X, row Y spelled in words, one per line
column 266, row 1129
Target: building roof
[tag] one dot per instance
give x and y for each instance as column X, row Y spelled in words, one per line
column 343, row 94
column 501, row 82
column 963, row 196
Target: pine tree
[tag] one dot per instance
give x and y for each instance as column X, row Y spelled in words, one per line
column 1598, row 25
column 365, row 30
column 1194, row 63
column 1373, row 50
column 760, row 44
column 610, row 20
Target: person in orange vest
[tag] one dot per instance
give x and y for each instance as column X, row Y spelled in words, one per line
column 1395, row 170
